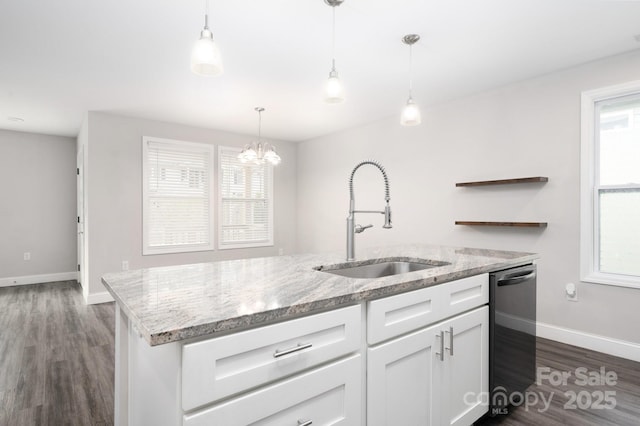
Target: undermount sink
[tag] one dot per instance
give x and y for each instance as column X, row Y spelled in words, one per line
column 377, row 268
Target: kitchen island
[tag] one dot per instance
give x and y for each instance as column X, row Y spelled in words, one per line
column 257, row 340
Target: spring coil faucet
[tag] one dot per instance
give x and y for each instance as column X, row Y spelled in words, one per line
column 353, row 229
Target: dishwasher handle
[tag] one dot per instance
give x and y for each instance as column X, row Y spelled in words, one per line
column 516, row 279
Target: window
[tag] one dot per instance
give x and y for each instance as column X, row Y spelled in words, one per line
column 246, row 202
column 177, row 188
column 610, row 206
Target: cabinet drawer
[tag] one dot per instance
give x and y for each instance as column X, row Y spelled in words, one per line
column 329, row 395
column 403, row 313
column 223, row 366
column 465, row 294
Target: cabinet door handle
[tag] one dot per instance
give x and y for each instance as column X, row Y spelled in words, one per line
column 441, row 353
column 303, row 423
column 450, row 348
column 299, row 347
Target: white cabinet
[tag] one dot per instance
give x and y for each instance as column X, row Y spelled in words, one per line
column 433, row 376
column 297, row 351
column 424, row 362
column 329, row 395
column 296, row 371
column 464, row 372
column 216, row 368
column 437, row 361
column 400, row 381
column 395, row 315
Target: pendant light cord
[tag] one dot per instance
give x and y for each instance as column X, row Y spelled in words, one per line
column 333, row 41
column 259, row 126
column 206, row 14
column 410, row 69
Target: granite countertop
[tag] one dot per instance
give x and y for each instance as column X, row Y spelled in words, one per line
column 168, row 304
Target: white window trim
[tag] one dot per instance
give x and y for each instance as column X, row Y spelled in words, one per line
column 588, row 208
column 227, row 246
column 146, row 250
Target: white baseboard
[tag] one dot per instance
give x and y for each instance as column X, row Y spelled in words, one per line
column 607, row 345
column 95, row 298
column 38, row 279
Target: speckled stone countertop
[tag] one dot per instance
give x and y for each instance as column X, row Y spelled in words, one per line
column 168, row 304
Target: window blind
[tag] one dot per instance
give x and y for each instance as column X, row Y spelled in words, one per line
column 617, row 185
column 246, row 202
column 177, row 196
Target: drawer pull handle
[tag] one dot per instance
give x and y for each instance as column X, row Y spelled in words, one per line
column 300, row 347
column 303, row 423
column 441, row 353
column 450, row 348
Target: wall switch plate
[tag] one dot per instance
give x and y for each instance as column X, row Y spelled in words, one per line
column 571, row 291
column 125, row 265
column 27, row 256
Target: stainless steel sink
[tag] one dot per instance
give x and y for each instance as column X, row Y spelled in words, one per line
column 377, row 268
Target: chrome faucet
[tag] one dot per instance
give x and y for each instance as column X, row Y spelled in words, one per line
column 352, row 228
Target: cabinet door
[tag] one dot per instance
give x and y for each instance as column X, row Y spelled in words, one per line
column 466, row 367
column 400, row 382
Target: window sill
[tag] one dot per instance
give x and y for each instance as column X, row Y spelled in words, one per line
column 244, row 245
column 175, row 249
column 612, row 279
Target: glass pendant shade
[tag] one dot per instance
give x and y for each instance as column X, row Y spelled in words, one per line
column 334, row 91
column 272, row 157
column 205, row 56
column 247, row 155
column 410, row 114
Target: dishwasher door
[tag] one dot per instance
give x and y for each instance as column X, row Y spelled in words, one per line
column 512, row 336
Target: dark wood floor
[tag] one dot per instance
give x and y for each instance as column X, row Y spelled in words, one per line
column 57, row 362
column 56, row 357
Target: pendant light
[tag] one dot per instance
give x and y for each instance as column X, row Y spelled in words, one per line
column 334, row 91
column 205, row 56
column 259, row 152
column 411, row 113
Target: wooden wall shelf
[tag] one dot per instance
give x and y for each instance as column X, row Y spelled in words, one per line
column 514, row 224
column 504, row 181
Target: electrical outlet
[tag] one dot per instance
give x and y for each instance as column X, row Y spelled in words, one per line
column 571, row 291
column 27, row 255
column 125, row 265
column 280, row 251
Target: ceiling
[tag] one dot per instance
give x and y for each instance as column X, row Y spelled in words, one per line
column 62, row 58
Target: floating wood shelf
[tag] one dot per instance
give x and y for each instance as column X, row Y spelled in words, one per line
column 515, row 224
column 505, row 181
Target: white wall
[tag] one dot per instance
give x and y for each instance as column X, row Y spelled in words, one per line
column 37, row 207
column 113, row 184
column 531, row 128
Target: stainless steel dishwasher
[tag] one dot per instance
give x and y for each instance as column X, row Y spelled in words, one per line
column 512, row 336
